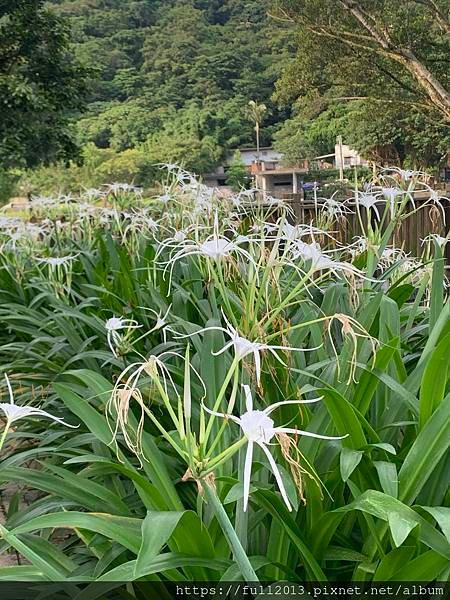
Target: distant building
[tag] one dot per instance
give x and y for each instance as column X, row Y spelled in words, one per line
column 347, row 157
column 267, row 154
column 273, row 177
column 249, row 157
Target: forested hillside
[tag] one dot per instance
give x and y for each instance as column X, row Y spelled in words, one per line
column 176, row 74
column 171, row 81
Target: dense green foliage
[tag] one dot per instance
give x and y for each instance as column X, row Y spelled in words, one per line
column 371, row 84
column 40, row 83
column 178, row 69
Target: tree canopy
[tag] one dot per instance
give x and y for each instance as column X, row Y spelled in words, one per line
column 163, row 64
column 386, row 62
column 40, row 83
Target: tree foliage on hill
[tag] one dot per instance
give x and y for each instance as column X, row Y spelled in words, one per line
column 177, row 71
column 386, row 61
column 171, row 80
column 40, row 83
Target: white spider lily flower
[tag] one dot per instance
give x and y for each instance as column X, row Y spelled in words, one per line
column 182, row 177
column 171, row 167
column 164, row 198
column 436, row 199
column 277, row 203
column 258, row 428
column 247, row 195
column 93, row 194
column 161, row 318
column 139, row 223
column 115, row 324
column 126, row 389
column 321, row 261
column 150, row 223
column 215, row 248
column 286, row 231
column 174, row 238
column 244, row 198
column 202, row 204
column 23, row 233
column 13, row 238
column 368, row 201
column 434, row 237
column 85, row 209
column 392, row 193
column 407, row 174
column 37, row 201
column 114, row 188
column 154, row 367
column 244, row 347
column 391, row 255
column 335, row 208
column 56, row 261
column 292, row 232
column 415, row 272
column 10, row 222
column 359, row 246
column 161, row 321
column 179, row 236
column 13, row 412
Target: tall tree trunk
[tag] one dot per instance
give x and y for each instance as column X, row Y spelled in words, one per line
column 434, row 89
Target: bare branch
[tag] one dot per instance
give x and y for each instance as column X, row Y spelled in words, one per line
column 368, row 22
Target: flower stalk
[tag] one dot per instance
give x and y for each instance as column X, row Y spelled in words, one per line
column 239, row 554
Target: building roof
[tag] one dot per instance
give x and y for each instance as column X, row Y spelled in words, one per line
column 254, row 149
column 282, row 171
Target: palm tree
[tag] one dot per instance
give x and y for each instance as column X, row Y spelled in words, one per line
column 255, row 113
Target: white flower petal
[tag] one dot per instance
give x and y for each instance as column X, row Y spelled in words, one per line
column 308, row 433
column 277, row 474
column 248, row 398
column 272, row 407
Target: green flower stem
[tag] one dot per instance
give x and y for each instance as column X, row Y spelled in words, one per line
column 241, row 558
column 269, row 338
column 267, row 271
column 4, row 434
column 223, row 290
column 167, row 404
column 241, row 517
column 293, row 294
column 220, row 395
column 165, row 433
column 229, row 411
column 225, row 455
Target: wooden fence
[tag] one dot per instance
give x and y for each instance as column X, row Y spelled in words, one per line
column 408, row 235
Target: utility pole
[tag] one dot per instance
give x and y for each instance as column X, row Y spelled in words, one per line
column 341, row 158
